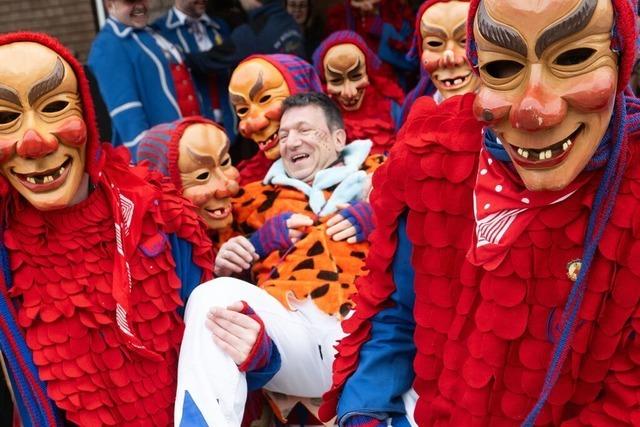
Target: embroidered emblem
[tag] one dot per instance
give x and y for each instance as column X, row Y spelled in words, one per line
column 573, row 269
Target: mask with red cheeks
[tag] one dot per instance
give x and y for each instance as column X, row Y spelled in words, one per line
column 443, row 34
column 345, row 70
column 42, row 133
column 549, row 83
column 208, row 179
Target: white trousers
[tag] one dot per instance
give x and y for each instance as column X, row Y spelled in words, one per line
column 305, row 338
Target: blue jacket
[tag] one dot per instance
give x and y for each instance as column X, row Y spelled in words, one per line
column 269, row 29
column 177, row 32
column 135, row 81
column 374, row 389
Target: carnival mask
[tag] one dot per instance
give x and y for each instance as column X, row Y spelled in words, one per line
column 257, row 89
column 208, row 178
column 443, row 31
column 549, row 83
column 42, row 132
column 345, row 69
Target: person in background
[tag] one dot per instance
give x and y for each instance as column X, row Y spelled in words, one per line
column 141, row 75
column 188, row 26
column 269, row 29
column 311, row 23
column 439, row 42
column 368, row 99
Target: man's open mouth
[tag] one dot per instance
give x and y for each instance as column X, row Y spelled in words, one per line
column 218, row 213
column 139, row 11
column 455, row 82
column 298, row 157
column 48, row 180
column 546, row 157
column 269, row 143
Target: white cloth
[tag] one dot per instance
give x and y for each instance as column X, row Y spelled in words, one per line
column 304, row 337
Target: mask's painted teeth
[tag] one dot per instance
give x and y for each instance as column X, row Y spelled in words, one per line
column 545, row 153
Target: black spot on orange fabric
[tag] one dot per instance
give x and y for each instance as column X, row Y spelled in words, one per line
column 345, row 308
column 327, row 275
column 316, row 249
column 307, row 264
column 320, row 291
column 270, row 196
column 358, row 254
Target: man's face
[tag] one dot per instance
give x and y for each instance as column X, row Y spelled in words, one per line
column 299, row 9
column 443, row 31
column 307, row 145
column 549, row 83
column 345, row 69
column 42, row 131
column 192, row 8
column 257, row 90
column 208, row 178
column 133, row 13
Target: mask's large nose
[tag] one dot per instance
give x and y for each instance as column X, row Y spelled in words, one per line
column 538, row 108
column 34, row 146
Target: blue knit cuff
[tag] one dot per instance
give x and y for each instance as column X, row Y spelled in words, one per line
column 272, row 236
column 360, row 215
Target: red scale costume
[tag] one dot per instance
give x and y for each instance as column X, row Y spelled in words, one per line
column 381, row 97
column 68, row 282
column 489, row 318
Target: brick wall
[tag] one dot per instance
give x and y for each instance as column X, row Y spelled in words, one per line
column 72, row 21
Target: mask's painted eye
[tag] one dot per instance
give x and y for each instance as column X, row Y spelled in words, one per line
column 242, row 110
column 502, row 69
column 202, row 176
column 55, row 107
column 226, row 161
column 574, row 56
column 265, row 98
column 434, row 43
column 7, row 117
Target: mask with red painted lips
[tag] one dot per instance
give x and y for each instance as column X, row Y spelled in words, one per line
column 42, row 132
column 549, row 83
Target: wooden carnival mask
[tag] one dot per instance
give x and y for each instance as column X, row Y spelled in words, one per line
column 257, row 89
column 345, row 70
column 42, row 132
column 444, row 39
column 549, row 83
column 208, row 178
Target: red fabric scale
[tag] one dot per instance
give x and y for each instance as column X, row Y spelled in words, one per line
column 373, row 120
column 254, row 169
column 62, row 264
column 484, row 338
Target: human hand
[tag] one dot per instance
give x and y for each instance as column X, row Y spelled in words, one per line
column 235, row 332
column 235, row 256
column 353, row 223
column 279, row 233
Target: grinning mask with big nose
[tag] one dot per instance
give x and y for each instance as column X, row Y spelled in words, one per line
column 42, row 132
column 549, row 83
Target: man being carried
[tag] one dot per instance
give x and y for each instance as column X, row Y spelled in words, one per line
column 310, row 224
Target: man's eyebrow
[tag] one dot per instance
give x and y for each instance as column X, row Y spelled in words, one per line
column 48, row 83
column 9, row 94
column 499, row 34
column 570, row 24
column 257, row 86
column 433, row 31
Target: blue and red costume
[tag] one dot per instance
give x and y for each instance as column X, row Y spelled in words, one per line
column 91, row 294
column 510, row 335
